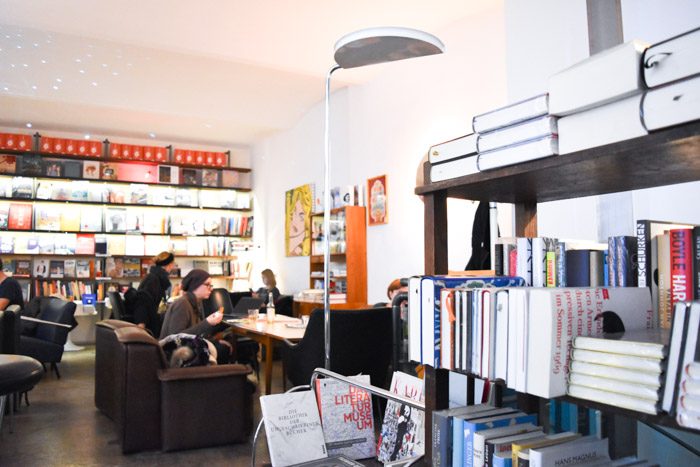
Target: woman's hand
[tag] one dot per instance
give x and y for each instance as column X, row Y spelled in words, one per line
column 216, row 317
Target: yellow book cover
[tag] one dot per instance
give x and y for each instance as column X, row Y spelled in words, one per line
column 550, row 440
column 70, row 219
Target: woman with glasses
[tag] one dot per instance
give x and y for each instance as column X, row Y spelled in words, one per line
column 186, row 314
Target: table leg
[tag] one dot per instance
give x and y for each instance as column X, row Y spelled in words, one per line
column 268, row 364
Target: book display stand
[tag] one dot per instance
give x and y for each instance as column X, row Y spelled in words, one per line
column 661, row 158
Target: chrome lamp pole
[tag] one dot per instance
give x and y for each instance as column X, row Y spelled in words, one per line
column 357, row 49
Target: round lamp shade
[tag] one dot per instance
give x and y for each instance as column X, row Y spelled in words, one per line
column 386, row 44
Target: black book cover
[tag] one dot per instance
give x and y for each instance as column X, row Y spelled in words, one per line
column 578, row 268
column 73, row 169
column 30, row 165
column 696, row 263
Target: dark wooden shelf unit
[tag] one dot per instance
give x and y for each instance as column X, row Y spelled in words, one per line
column 664, row 157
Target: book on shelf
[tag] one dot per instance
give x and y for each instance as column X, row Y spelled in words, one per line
column 511, row 114
column 138, row 193
column 337, row 460
column 91, row 170
column 134, row 245
column 556, row 316
column 210, row 178
column 44, row 189
column 82, row 268
column 20, row 217
column 98, row 193
column 79, row 190
column 132, row 267
column 64, row 244
column 549, row 440
column 483, row 438
column 30, row 165
column 56, row 268
column 646, row 230
column 347, row 418
column 650, row 343
column 635, row 390
column 116, row 245
column 109, row 171
column 52, row 168
column 41, row 268
column 47, row 218
column 293, row 428
column 90, row 219
column 22, row 187
column 671, row 104
column 689, row 352
column 85, row 244
column 114, row 267
column 517, row 153
column 186, row 197
column 453, row 149
column 402, row 433
column 26, row 245
column 616, row 373
column 570, row 452
column 23, row 268
column 61, row 191
column 69, row 268
column 630, row 362
column 4, row 215
column 470, row 427
column 168, row 174
column 7, row 244
column 155, row 244
column 443, row 428
column 681, row 265
column 70, row 219
column 161, row 196
column 535, row 128
column 454, row 168
column 72, row 169
column 8, row 164
column 135, row 220
column 100, row 244
column 115, row 220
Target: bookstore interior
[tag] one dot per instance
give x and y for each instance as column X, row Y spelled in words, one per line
column 195, row 244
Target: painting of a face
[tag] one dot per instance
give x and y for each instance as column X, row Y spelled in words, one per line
column 376, row 187
column 298, row 202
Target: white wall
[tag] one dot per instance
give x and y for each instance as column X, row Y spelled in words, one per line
column 545, row 36
column 386, row 127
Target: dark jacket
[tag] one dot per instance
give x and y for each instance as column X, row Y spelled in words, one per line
column 263, row 293
column 151, row 292
column 186, row 315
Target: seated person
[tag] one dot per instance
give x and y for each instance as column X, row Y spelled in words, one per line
column 393, row 290
column 186, row 314
column 10, row 291
column 270, row 287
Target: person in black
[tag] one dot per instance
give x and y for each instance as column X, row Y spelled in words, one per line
column 152, row 291
column 270, row 287
column 10, row 291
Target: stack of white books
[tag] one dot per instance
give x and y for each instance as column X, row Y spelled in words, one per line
column 688, row 408
column 621, row 369
column 516, row 133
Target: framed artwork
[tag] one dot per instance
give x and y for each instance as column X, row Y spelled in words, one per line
column 297, row 220
column 377, row 197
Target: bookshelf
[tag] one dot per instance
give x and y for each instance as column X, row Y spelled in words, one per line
column 665, row 157
column 208, row 219
column 348, row 243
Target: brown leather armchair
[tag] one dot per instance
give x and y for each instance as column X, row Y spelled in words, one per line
column 156, row 407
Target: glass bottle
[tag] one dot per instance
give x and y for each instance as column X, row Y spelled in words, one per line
column 271, row 309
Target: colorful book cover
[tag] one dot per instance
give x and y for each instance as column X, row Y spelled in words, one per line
column 168, row 174
column 293, row 428
column 64, row 244
column 70, row 219
column 347, row 418
column 56, row 268
column 8, row 164
column 91, row 170
column 4, row 215
column 139, row 193
column 115, row 220
column 132, row 267
column 20, row 217
column 52, row 168
column 23, row 268
column 79, row 191
column 82, row 268
column 681, row 265
column 85, row 244
column 47, row 218
column 114, row 267
column 30, row 165
column 402, row 432
column 210, row 177
column 69, row 268
column 41, row 268
column 90, row 219
column 61, row 191
column 7, row 244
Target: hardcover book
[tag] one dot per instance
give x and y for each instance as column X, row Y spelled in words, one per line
column 64, row 244
column 132, row 267
column 22, row 187
column 47, row 218
column 115, row 220
column 346, row 416
column 402, row 432
column 116, row 245
column 79, row 190
column 44, row 189
column 90, row 219
column 61, row 191
column 30, row 165
column 168, row 174
column 52, row 168
column 56, row 269
column 4, row 214
column 191, row 177
column 513, row 113
column 8, row 164
column 210, row 177
column 139, row 193
column 91, row 170
column 114, row 267
column 23, row 268
column 293, row 428
column 72, row 169
column 453, row 149
column 85, row 244
column 69, row 268
column 41, row 268
column 109, row 171
column 70, row 219
column 134, row 220
column 46, row 244
column 20, row 217
column 82, row 268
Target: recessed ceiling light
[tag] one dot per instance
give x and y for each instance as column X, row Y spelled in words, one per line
column 55, row 87
column 29, row 125
column 43, row 61
column 87, row 136
column 12, row 65
column 207, row 125
column 151, row 135
column 82, row 72
column 25, row 65
column 36, row 45
column 94, row 83
column 5, row 88
column 88, row 55
column 19, row 46
column 114, row 73
column 104, row 65
column 59, row 80
column 34, row 87
column 77, row 60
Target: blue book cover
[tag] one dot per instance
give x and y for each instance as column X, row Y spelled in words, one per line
column 502, row 459
column 472, row 426
column 458, row 431
column 433, row 285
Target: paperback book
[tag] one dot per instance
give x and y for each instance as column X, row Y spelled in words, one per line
column 402, row 432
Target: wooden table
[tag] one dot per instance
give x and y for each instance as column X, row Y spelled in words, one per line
column 266, row 334
column 301, row 308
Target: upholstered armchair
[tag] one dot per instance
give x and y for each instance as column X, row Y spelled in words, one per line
column 156, row 407
column 44, row 337
column 361, row 342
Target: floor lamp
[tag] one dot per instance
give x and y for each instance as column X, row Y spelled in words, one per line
column 361, row 48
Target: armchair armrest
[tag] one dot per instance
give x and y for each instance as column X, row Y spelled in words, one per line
column 202, row 372
column 43, row 321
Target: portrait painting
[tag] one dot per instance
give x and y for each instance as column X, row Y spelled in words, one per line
column 297, row 208
column 377, row 196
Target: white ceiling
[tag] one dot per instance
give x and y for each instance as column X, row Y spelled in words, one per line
column 223, row 72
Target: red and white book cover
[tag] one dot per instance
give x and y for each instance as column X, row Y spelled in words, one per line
column 347, row 417
column 20, row 217
column 681, row 265
column 402, row 433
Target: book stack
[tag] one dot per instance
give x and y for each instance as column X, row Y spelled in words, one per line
column 454, row 158
column 516, row 133
column 689, row 397
column 622, row 369
column 496, row 329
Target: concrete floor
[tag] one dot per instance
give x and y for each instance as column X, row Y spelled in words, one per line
column 62, row 427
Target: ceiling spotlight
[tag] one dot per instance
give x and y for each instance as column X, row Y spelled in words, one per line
column 87, row 136
column 43, row 61
column 34, row 87
column 59, row 80
column 82, row 72
column 94, row 83
column 152, row 135
column 29, row 125
column 55, row 87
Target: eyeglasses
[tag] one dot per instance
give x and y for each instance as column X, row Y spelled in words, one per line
column 209, row 285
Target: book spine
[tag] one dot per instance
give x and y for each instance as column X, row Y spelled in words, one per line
column 643, row 253
column 664, row 278
column 552, row 270
column 612, row 261
column 560, row 251
column 498, row 259
column 696, row 263
column 681, row 265
column 524, row 259
column 441, row 434
column 539, row 262
column 513, row 261
column 596, row 266
column 625, row 251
